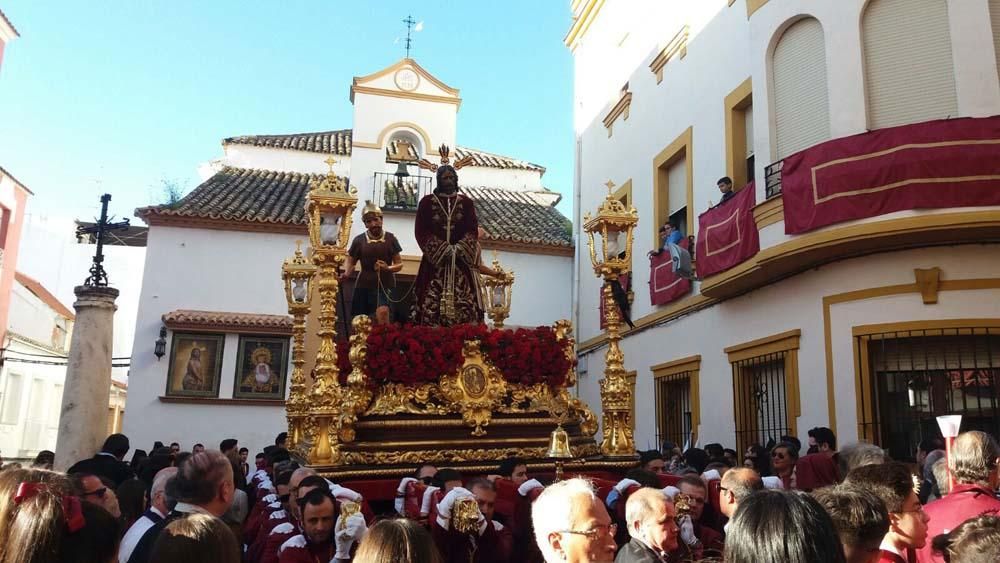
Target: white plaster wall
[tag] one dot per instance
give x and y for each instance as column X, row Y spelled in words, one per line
column 7, row 189
column 284, row 160
column 724, row 48
column 796, row 303
column 18, row 440
column 424, row 86
column 208, row 270
column 31, row 317
column 542, row 288
column 50, row 254
column 373, row 114
column 510, row 179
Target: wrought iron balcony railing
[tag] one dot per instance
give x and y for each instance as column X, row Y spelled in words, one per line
column 772, row 179
column 400, row 194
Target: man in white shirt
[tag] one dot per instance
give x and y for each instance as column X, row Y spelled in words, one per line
column 158, row 509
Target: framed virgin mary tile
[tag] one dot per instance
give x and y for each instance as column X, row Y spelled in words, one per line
column 195, row 365
column 261, row 368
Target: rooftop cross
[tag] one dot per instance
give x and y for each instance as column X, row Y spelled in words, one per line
column 611, row 186
column 330, row 161
column 409, row 21
column 98, row 277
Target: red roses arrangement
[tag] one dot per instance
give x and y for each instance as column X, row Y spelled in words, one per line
column 412, row 354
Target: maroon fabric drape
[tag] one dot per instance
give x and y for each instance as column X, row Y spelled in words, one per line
column 937, row 164
column 664, row 285
column 727, row 233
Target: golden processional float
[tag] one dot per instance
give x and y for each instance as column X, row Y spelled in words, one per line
column 356, row 418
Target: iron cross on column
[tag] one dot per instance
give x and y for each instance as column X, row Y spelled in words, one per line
column 98, row 277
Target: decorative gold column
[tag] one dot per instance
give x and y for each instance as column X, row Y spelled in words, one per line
column 297, row 273
column 357, row 394
column 330, row 208
column 612, row 224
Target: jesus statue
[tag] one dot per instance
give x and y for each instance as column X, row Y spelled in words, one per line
column 447, row 230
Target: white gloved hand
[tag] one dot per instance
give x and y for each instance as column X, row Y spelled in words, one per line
column 354, row 530
column 771, row 482
column 671, row 491
column 625, row 484
column 268, row 499
column 444, row 507
column 687, row 531
column 401, row 492
column 528, row 486
column 343, row 493
column 711, row 475
column 425, row 503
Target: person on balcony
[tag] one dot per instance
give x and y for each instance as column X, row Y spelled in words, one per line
column 378, row 252
column 725, row 184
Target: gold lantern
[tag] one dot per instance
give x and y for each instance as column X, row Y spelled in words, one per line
column 329, row 208
column 613, row 225
column 297, row 273
column 496, row 293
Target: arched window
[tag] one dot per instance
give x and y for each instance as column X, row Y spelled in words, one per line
column 801, row 101
column 909, row 75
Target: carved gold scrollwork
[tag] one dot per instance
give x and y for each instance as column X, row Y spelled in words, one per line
column 356, row 395
column 475, row 390
column 458, row 455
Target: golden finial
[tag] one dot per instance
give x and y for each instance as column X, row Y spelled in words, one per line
column 298, row 246
column 611, row 186
column 330, row 161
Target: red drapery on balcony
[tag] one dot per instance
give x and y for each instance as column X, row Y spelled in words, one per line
column 664, row 285
column 937, row 164
column 727, row 233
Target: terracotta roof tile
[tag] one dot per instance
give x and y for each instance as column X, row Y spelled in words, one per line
column 339, row 142
column 243, row 194
column 34, row 286
column 264, row 196
column 184, row 319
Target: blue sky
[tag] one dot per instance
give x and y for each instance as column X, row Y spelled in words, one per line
column 118, row 96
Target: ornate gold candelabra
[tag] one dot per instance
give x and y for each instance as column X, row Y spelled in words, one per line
column 297, row 273
column 612, row 223
column 329, row 207
column 496, row 293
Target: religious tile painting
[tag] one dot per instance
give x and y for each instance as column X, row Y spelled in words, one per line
column 261, row 367
column 195, row 365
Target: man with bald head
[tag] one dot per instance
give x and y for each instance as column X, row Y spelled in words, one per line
column 159, row 506
column 572, row 525
column 736, row 485
column 650, row 517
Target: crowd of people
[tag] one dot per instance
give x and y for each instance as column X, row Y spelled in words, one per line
column 850, row 505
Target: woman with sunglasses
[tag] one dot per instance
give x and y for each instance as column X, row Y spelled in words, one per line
column 783, row 458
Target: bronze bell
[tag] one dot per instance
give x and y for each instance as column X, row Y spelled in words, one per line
column 559, row 444
column 401, row 171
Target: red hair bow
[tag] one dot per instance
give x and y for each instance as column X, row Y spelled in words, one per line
column 72, row 510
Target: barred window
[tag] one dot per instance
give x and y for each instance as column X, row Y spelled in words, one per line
column 908, row 378
column 677, row 408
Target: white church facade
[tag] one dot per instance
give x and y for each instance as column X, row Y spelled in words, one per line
column 871, row 322
column 212, row 276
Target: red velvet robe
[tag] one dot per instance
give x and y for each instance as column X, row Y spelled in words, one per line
column 436, row 263
column 962, row 503
column 494, row 546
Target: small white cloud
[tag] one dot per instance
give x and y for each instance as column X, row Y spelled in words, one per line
column 419, row 26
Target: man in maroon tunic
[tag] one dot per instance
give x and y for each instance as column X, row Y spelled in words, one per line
column 490, row 543
column 323, row 538
column 447, row 230
column 974, row 462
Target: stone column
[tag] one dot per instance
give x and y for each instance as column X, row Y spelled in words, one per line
column 83, row 419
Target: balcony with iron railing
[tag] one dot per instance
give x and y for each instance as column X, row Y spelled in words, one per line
column 924, row 184
column 401, row 194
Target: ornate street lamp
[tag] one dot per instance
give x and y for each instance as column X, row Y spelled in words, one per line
column 330, row 208
column 613, row 225
column 297, row 273
column 496, row 293
column 160, row 346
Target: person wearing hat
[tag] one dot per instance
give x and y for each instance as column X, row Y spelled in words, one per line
column 378, row 252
